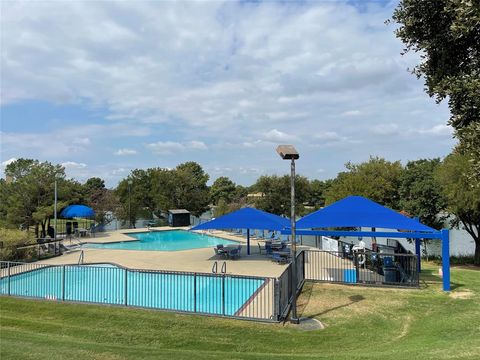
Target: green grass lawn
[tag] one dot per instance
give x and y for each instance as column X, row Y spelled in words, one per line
column 361, row 323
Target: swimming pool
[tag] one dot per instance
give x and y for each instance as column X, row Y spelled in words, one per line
column 170, row 240
column 203, row 293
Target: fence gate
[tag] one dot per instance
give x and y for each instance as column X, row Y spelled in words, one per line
column 366, row 267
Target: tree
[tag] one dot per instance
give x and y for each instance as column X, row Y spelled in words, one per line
column 135, row 197
column 275, row 192
column 162, row 185
column 420, row 193
column 29, row 194
column 462, row 194
column 222, row 188
column 376, row 179
column 318, row 190
column 191, row 191
column 447, row 34
column 102, row 200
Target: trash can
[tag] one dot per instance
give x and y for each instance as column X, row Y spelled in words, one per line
column 350, row 275
column 390, row 274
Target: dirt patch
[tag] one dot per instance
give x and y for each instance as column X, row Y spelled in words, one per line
column 465, row 294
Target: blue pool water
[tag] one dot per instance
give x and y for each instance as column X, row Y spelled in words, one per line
column 113, row 285
column 172, row 240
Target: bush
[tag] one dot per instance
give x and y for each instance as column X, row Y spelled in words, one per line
column 10, row 240
column 454, row 260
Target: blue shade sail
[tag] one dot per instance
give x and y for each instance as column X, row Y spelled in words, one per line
column 357, row 211
column 246, row 218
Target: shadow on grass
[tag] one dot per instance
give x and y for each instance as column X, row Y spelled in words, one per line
column 353, row 300
column 307, row 293
column 430, row 277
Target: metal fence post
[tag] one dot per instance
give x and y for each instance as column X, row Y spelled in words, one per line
column 8, row 272
column 63, row 283
column 223, row 294
column 277, row 300
column 357, row 270
column 195, row 292
column 125, row 290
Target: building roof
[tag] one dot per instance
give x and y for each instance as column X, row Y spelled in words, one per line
column 179, row 211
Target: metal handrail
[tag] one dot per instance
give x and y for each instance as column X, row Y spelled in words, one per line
column 215, row 267
column 223, row 270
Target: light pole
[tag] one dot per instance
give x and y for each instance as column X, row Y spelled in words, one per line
column 130, row 182
column 55, row 212
column 288, row 152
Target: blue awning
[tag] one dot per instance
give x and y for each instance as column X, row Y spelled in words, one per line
column 246, row 218
column 77, row 211
column 357, row 211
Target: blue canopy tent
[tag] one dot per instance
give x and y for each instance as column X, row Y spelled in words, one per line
column 80, row 211
column 357, row 212
column 246, row 218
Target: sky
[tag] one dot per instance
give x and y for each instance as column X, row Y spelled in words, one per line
column 107, row 87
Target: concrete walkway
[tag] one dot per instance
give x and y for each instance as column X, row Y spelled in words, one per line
column 195, row 260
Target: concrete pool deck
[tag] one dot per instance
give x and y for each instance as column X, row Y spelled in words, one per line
column 195, row 260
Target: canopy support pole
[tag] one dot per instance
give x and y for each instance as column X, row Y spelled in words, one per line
column 446, row 259
column 418, row 253
column 248, row 241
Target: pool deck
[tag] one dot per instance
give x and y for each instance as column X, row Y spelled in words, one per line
column 195, row 260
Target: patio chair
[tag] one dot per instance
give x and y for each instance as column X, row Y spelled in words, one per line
column 278, row 258
column 268, row 248
column 262, row 248
column 219, row 250
column 68, row 228
column 235, row 252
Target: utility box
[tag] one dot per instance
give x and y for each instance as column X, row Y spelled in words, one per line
column 178, row 217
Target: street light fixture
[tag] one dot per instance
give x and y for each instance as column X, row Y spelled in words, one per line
column 288, row 152
column 130, row 182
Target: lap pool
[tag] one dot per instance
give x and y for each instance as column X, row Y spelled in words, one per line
column 169, row 240
column 202, row 293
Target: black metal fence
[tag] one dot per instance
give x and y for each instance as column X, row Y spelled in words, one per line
column 246, row 297
column 363, row 267
column 284, row 291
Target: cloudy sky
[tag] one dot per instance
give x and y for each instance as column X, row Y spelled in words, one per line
column 105, row 87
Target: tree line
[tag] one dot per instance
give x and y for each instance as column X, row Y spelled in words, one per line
column 430, row 189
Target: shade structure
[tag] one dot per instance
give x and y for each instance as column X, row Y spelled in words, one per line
column 246, row 218
column 357, row 211
column 77, row 211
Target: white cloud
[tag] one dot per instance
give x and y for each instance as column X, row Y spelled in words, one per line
column 125, row 152
column 330, row 136
column 8, row 162
column 275, row 135
column 351, row 113
column 73, row 165
column 437, row 130
column 171, row 147
column 248, row 75
column 199, row 145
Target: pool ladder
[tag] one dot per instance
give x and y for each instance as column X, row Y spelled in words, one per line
column 223, row 269
column 81, row 258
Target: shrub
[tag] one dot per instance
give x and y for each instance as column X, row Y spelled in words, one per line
column 10, row 240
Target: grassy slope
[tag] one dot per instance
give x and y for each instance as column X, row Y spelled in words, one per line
column 360, row 323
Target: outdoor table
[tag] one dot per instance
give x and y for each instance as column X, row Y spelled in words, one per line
column 81, row 232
